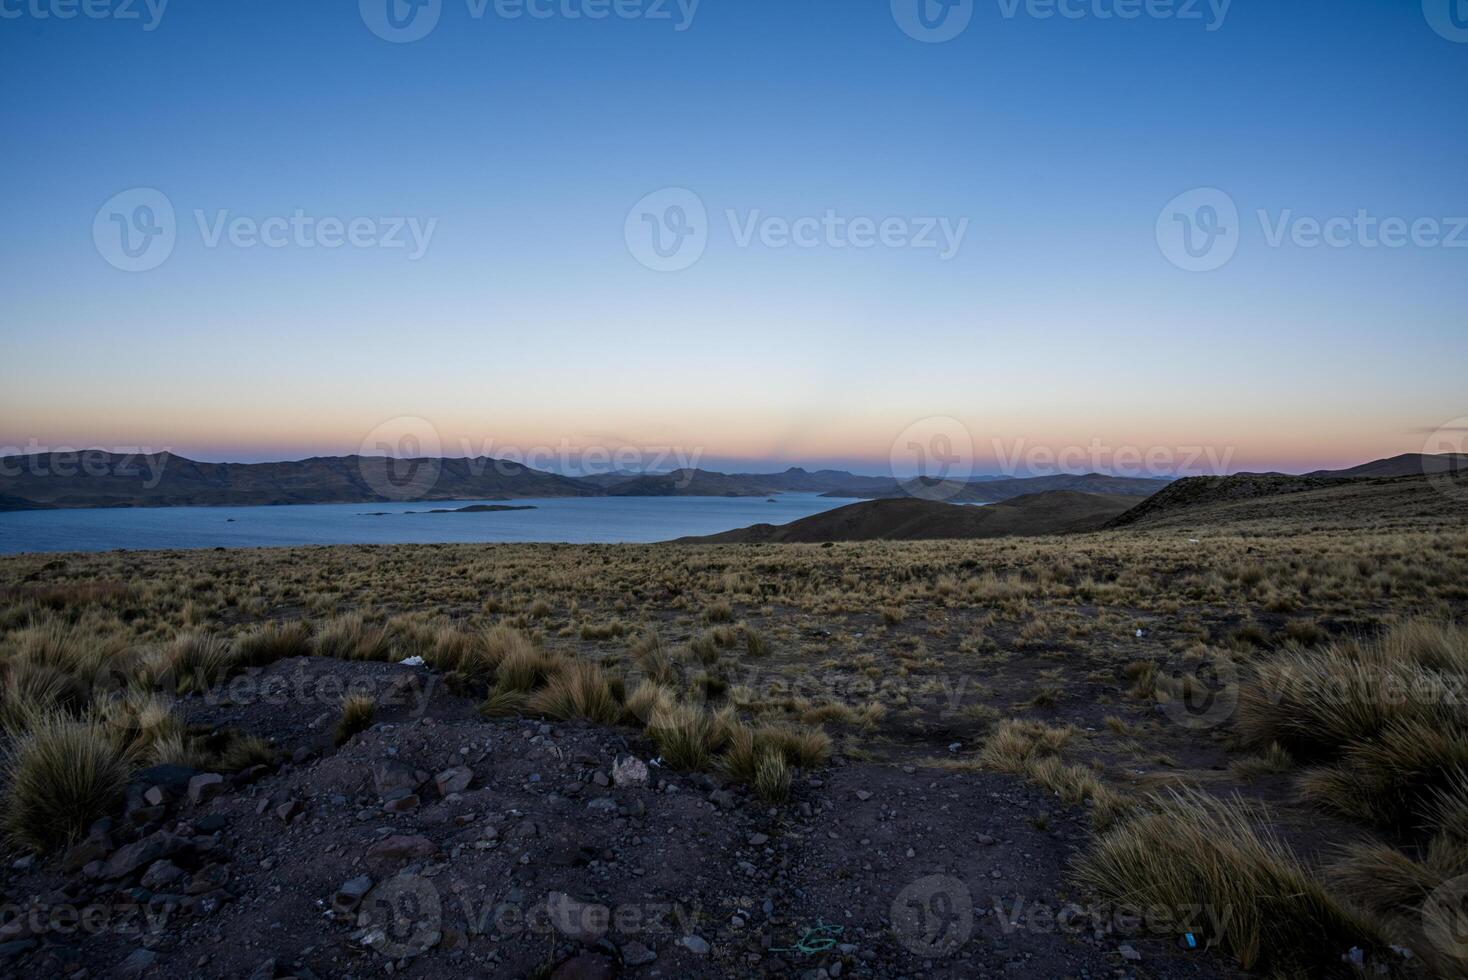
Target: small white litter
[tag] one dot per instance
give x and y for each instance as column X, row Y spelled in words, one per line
column 1141, row 633
column 412, row 662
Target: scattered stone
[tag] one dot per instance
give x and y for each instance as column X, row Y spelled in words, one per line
column 138, row 962
column 695, row 945
column 351, row 893
column 393, row 779
column 160, row 875
column 204, row 787
column 138, row 855
column 630, row 771
column 94, row 847
column 636, row 954
column 454, row 780
column 392, row 852
column 580, row 921
column 289, row 810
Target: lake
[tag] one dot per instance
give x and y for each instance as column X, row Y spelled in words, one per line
column 577, row 520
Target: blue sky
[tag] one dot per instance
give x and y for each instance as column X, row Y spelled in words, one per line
column 528, row 320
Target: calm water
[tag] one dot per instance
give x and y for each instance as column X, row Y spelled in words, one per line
column 576, row 520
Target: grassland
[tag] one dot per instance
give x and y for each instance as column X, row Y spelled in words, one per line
column 1070, row 662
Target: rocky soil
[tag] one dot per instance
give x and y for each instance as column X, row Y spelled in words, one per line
column 440, row 844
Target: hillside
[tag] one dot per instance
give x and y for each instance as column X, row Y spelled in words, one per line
column 910, row 519
column 98, row 479
column 1408, row 464
column 993, row 490
column 706, row 483
column 1265, row 504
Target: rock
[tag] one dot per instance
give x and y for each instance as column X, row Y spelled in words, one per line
column 205, row 787
column 173, row 779
column 160, row 875
column 138, row 855
column 138, row 962
column 863, row 795
column 208, row 879
column 153, row 796
column 1128, row 953
column 144, row 815
column 695, row 945
column 758, row 840
column 16, row 947
column 580, row 921
column 211, row 824
column 585, row 966
column 351, row 893
column 723, row 799
column 393, row 779
column 94, row 847
column 392, row 852
column 605, row 804
column 267, row 970
column 630, row 771
column 289, row 810
column 636, row 954
column 401, row 804
column 454, row 780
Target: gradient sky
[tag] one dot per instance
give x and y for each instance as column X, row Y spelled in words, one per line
column 528, row 321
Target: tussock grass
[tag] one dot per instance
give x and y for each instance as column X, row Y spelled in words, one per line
column 1188, row 849
column 29, row 689
column 578, row 689
column 193, row 662
column 61, row 776
column 1016, row 745
column 771, row 781
column 688, row 737
column 349, row 637
column 1315, row 702
column 271, row 642
column 503, row 704
column 358, row 711
column 1395, row 781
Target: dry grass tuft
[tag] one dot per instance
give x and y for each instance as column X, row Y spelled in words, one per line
column 1191, row 850
column 358, row 710
column 61, row 776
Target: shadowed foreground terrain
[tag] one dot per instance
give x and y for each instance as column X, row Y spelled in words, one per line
column 1228, row 740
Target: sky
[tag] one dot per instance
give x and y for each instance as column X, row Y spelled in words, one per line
column 739, row 233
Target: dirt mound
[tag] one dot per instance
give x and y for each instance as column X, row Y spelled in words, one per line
column 909, row 519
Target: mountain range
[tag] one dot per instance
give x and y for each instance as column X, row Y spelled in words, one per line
column 100, row 479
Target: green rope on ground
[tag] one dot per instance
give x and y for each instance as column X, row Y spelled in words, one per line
column 817, row 939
